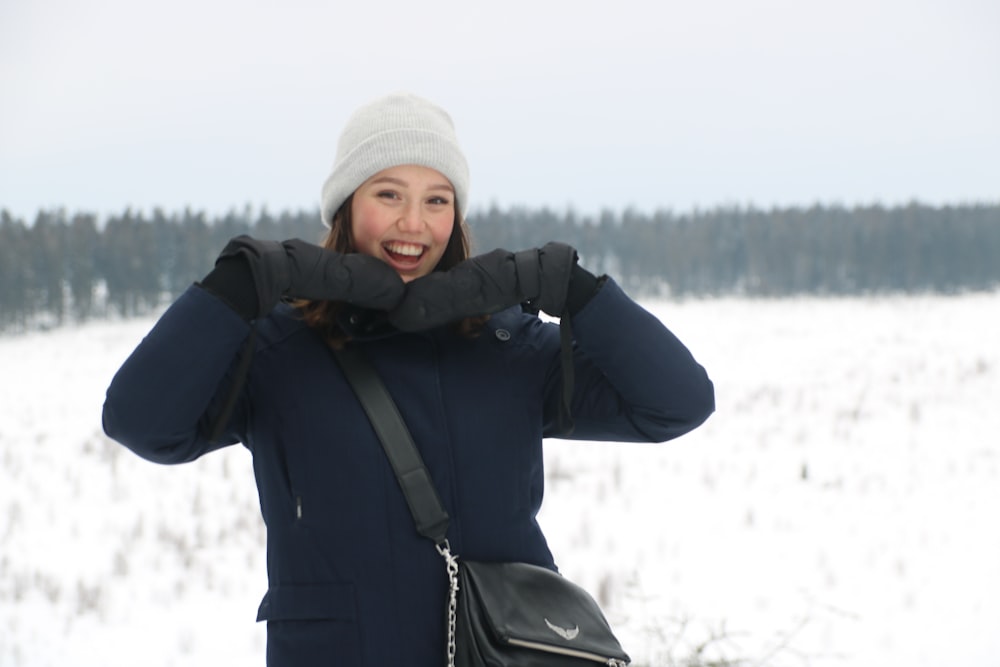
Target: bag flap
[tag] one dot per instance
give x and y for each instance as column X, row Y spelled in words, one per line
column 534, row 604
column 308, row 602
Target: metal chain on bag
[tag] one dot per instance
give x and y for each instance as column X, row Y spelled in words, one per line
column 451, row 562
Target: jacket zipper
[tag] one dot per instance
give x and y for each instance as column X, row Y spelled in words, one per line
column 584, row 655
column 298, row 507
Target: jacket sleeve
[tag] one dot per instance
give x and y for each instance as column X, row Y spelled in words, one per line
column 633, row 379
column 163, row 400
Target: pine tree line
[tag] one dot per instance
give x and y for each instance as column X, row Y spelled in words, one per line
column 77, row 267
column 779, row 252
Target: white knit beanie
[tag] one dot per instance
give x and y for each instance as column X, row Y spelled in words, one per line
column 395, row 130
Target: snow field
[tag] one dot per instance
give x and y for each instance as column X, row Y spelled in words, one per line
column 839, row 508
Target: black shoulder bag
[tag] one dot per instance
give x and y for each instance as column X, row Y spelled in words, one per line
column 499, row 614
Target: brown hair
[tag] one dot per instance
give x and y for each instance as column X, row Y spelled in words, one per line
column 323, row 315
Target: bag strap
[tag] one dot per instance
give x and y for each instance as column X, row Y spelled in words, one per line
column 428, row 514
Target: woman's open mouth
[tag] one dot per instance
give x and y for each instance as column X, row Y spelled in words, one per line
column 403, row 254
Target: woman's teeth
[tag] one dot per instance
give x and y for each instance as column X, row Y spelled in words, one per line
column 405, row 249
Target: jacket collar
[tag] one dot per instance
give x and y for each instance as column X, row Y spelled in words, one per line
column 365, row 324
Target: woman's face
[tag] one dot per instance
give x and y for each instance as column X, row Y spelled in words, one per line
column 404, row 216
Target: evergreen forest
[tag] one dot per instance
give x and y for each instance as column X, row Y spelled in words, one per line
column 63, row 267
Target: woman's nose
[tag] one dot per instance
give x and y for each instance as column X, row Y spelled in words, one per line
column 410, row 218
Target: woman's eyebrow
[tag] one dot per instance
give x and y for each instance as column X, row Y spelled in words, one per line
column 403, row 184
column 390, row 179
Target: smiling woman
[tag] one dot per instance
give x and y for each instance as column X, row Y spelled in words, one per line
column 404, row 216
column 245, row 356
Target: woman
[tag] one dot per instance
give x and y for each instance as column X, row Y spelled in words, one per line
column 477, row 377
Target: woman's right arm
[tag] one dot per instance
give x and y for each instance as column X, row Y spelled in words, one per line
column 162, row 401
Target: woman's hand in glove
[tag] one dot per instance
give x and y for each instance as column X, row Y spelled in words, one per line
column 487, row 284
column 303, row 270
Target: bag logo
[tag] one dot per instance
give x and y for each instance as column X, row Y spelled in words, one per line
column 563, row 632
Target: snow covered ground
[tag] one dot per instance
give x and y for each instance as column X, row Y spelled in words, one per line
column 842, row 507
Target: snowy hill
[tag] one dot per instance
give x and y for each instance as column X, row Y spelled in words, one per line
column 840, row 508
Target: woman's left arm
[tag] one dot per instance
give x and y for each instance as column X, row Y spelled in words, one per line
column 633, row 379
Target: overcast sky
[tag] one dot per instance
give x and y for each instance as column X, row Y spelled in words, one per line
column 217, row 104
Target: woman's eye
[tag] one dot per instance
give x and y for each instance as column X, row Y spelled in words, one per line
column 388, row 194
column 439, row 201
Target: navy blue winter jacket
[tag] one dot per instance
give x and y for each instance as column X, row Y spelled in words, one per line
column 350, row 581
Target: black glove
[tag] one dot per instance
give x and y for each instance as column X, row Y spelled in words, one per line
column 487, row 284
column 303, row 270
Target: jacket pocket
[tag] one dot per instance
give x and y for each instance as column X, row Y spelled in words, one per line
column 311, row 624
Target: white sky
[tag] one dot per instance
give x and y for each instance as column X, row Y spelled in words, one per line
column 219, row 104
